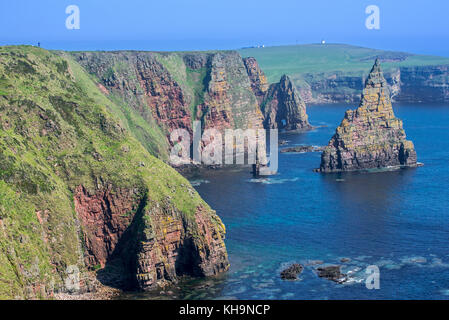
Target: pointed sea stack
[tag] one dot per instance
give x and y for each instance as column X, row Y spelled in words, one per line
column 283, row 107
column 371, row 136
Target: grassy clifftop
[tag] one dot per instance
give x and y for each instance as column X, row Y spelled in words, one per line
column 335, row 73
column 317, row 58
column 57, row 132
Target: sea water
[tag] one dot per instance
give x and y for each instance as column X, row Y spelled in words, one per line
column 397, row 220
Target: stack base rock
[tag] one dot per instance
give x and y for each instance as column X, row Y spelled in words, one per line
column 371, row 136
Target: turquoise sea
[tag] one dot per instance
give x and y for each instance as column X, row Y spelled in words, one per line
column 397, row 220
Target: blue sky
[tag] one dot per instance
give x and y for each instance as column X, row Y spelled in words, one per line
column 414, row 26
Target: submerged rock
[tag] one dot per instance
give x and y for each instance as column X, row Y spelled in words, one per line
column 332, row 273
column 371, row 136
column 292, row 272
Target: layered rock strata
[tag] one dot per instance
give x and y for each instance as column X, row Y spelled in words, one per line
column 370, row 136
column 175, row 89
column 283, row 107
column 259, row 83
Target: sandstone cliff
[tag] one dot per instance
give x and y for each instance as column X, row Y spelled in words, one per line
column 341, row 87
column 336, row 73
column 371, row 136
column 417, row 84
column 427, row 84
column 172, row 90
column 259, row 83
column 79, row 192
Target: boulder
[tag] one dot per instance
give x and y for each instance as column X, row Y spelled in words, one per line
column 292, row 272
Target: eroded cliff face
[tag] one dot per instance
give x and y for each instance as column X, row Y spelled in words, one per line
column 174, row 89
column 104, row 217
column 151, row 243
column 423, row 84
column 417, row 84
column 259, row 83
column 371, row 136
column 171, row 247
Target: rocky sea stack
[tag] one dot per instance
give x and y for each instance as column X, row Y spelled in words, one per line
column 283, row 107
column 371, row 136
column 281, row 104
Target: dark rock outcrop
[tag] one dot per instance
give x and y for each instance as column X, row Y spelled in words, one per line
column 332, row 273
column 371, row 136
column 292, row 272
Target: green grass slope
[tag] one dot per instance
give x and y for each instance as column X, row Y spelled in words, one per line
column 145, row 130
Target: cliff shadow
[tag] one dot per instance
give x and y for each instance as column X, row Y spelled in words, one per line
column 120, row 268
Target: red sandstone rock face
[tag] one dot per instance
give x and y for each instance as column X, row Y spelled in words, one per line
column 218, row 119
column 164, row 96
column 280, row 103
column 104, row 217
column 172, row 248
column 229, row 100
column 147, row 85
column 162, row 244
column 259, row 83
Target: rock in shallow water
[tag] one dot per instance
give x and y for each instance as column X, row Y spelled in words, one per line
column 332, row 273
column 302, row 149
column 292, row 272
